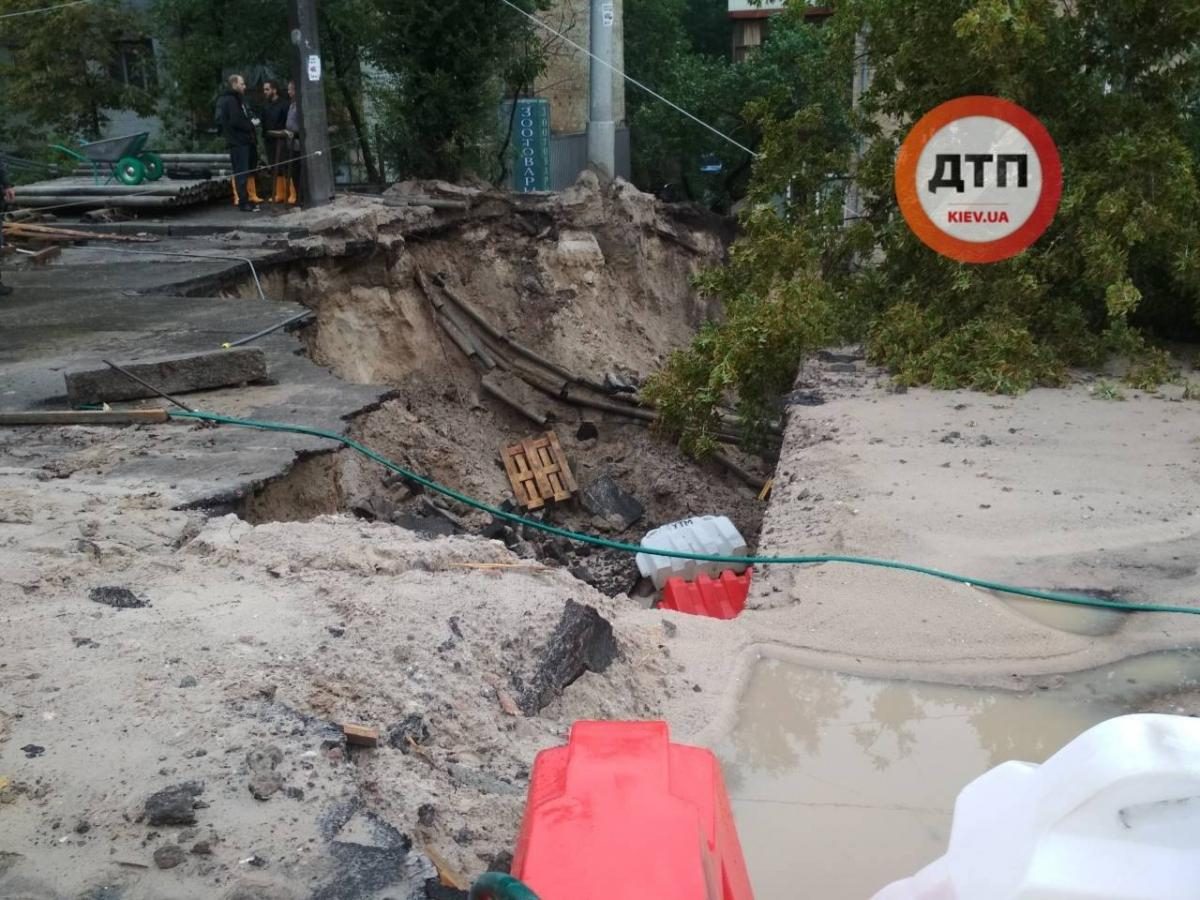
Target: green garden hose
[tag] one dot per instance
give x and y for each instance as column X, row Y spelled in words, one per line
column 1052, row 596
column 498, row 886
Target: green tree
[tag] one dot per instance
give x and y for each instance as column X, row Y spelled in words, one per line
column 345, row 29
column 449, row 62
column 202, row 41
column 1116, row 82
column 662, row 54
column 786, row 75
column 205, row 40
column 50, row 90
column 707, row 25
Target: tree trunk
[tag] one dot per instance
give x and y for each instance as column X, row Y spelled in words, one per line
column 360, row 128
column 342, row 77
column 502, row 155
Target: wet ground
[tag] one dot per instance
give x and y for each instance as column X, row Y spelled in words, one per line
column 841, row 785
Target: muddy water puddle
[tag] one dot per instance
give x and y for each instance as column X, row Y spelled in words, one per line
column 841, row 784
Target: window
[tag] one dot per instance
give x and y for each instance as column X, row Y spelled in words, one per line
column 748, row 36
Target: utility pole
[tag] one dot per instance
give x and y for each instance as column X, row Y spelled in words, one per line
column 316, row 166
column 602, row 130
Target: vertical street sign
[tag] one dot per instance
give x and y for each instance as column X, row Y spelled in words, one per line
column 529, row 153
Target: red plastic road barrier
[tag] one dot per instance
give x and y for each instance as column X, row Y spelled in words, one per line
column 621, row 813
column 721, row 598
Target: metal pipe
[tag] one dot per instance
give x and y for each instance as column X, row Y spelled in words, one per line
column 147, row 385
column 114, row 190
column 85, row 417
column 140, row 202
column 284, row 324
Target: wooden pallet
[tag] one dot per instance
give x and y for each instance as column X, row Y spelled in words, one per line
column 538, row 470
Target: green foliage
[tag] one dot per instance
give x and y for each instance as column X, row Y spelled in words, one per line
column 1106, row 390
column 771, row 320
column 440, row 69
column 783, row 286
column 204, row 41
column 450, row 61
column 51, row 91
column 1152, row 369
column 1117, row 84
column 773, row 83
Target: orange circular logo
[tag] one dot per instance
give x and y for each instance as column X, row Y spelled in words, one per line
column 978, row 179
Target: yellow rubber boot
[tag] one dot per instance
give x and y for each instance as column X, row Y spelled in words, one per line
column 252, row 190
column 233, row 189
column 281, row 190
column 292, row 198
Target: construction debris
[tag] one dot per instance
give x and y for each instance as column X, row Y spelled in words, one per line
column 176, row 375
column 30, row 231
column 174, row 805
column 86, row 417
column 361, row 735
column 518, row 395
column 43, row 256
column 582, row 642
column 605, row 498
column 262, row 761
column 538, row 471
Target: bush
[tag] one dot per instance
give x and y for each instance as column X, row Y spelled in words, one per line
column 1118, row 89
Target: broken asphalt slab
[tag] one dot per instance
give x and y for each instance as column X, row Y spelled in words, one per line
column 174, row 805
column 96, row 306
column 171, row 375
column 606, row 499
column 582, row 641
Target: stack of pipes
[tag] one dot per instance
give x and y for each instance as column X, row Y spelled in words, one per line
column 84, row 193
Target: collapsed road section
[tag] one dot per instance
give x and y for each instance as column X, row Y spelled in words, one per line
column 278, row 672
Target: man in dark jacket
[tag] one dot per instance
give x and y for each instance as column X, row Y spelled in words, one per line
column 240, row 137
column 275, row 131
column 9, row 197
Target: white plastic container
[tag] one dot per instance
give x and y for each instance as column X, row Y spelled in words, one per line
column 1115, row 814
column 714, row 535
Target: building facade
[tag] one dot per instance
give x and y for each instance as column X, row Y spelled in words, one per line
column 752, row 21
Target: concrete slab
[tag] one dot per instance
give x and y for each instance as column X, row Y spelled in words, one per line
column 94, row 304
column 172, row 375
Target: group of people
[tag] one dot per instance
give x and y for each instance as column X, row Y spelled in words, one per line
column 280, row 123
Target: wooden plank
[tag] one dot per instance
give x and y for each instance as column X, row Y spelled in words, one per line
column 361, row 735
column 46, row 254
column 518, row 475
column 538, row 470
column 568, row 476
column 85, row 417
column 28, row 230
column 539, row 474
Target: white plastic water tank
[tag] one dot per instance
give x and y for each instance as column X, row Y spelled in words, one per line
column 1114, row 814
column 713, row 535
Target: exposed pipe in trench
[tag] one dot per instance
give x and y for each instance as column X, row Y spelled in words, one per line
column 537, row 379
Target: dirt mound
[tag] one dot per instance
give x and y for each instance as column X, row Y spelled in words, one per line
column 597, row 279
column 261, row 641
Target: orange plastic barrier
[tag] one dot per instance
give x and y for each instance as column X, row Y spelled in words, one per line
column 720, row 598
column 622, row 813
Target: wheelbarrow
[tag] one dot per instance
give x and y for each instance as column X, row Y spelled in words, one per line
column 125, row 158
